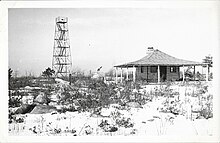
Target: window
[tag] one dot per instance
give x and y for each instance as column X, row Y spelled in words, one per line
column 142, row 69
column 172, row 69
column 153, row 69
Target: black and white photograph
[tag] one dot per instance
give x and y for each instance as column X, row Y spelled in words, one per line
column 112, row 71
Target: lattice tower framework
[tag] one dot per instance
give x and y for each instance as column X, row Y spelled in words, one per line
column 62, row 61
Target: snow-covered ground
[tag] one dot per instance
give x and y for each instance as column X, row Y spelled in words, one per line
column 117, row 120
column 147, row 121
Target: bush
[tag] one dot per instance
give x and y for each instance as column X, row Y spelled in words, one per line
column 207, row 110
column 206, row 113
column 120, row 120
column 124, row 122
column 171, row 106
column 16, row 83
column 15, row 99
column 107, row 127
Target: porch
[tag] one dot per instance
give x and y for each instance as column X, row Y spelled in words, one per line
column 162, row 73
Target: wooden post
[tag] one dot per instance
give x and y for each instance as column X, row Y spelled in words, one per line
column 121, row 75
column 207, row 73
column 134, row 74
column 194, row 72
column 127, row 74
column 147, row 73
column 116, row 75
column 183, row 73
column 158, row 74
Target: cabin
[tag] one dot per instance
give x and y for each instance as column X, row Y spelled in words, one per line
column 157, row 66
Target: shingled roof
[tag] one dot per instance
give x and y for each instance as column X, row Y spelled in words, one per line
column 156, row 57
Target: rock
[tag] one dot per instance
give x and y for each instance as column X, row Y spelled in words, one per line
column 25, row 108
column 41, row 99
column 41, row 109
column 133, row 104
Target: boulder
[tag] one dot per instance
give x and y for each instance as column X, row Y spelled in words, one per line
column 25, row 108
column 41, row 99
column 42, row 109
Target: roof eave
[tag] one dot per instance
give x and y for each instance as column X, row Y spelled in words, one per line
column 135, row 65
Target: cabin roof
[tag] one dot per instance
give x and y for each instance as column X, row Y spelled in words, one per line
column 156, row 57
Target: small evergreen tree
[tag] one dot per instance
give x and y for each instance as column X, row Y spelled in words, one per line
column 48, row 72
column 10, row 71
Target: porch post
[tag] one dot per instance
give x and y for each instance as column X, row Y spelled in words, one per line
column 127, row 73
column 147, row 73
column 121, row 75
column 207, row 73
column 158, row 74
column 183, row 73
column 134, row 70
column 194, row 72
column 116, row 75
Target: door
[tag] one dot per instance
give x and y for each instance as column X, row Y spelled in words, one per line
column 163, row 73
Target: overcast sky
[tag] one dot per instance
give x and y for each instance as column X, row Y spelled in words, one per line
column 109, row 36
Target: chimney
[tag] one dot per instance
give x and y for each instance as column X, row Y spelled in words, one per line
column 150, row 49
